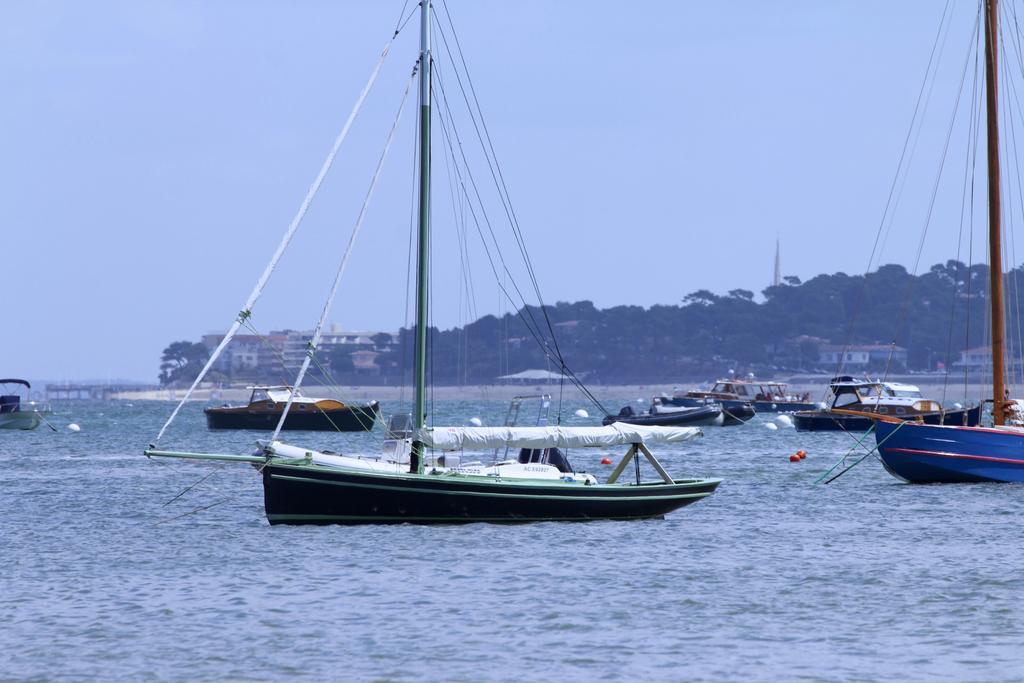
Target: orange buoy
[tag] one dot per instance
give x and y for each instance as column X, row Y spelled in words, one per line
column 802, row 454
column 606, row 461
column 794, row 458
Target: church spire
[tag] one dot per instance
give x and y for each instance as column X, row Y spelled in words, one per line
column 777, row 279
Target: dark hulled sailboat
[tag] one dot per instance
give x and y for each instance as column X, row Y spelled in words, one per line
column 306, row 486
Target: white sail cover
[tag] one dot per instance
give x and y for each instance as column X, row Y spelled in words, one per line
column 615, row 434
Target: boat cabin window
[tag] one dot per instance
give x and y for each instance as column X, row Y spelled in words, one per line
column 904, row 393
column 846, row 398
column 870, row 391
column 259, row 395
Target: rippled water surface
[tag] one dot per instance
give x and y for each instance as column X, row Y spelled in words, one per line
column 773, row 577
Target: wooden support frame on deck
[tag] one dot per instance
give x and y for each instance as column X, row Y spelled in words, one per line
column 630, row 454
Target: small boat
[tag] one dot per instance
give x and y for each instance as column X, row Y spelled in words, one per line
column 710, row 414
column 313, row 414
column 17, row 415
column 853, row 402
column 733, row 412
column 764, row 397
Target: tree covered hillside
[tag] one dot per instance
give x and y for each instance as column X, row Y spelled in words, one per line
column 934, row 316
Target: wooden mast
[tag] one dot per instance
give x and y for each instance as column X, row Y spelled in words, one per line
column 994, row 205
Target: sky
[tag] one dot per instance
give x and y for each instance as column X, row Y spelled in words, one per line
column 153, row 153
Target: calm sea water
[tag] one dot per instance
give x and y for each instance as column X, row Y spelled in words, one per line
column 773, row 577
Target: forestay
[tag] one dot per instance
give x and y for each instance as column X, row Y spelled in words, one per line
column 615, row 434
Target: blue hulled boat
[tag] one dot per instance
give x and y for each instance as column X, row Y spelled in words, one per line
column 923, row 453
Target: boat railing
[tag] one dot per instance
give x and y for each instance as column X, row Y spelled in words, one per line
column 34, row 407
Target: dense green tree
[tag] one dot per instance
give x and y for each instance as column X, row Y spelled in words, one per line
column 181, row 362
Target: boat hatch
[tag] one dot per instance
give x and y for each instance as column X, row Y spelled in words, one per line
column 545, row 456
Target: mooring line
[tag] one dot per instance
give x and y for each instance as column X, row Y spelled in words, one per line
column 194, row 511
column 862, row 458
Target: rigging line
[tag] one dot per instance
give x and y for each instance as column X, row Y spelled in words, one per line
column 217, row 468
column 490, row 228
column 1015, row 273
column 286, row 240
column 408, row 256
column 461, row 371
column 195, row 510
column 1011, row 258
column 905, row 311
column 444, row 100
column 465, row 260
column 911, row 128
column 970, row 249
column 401, row 13
column 535, row 329
column 914, row 144
column 530, row 324
column 311, row 349
column 494, row 239
column 892, row 188
column 487, row 250
column 972, row 141
column 499, row 177
column 506, row 201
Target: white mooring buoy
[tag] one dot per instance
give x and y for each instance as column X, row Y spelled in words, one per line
column 74, row 427
column 771, row 425
column 476, row 421
column 581, row 413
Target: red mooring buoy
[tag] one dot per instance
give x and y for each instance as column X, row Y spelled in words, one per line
column 794, row 458
column 802, row 454
column 606, row 461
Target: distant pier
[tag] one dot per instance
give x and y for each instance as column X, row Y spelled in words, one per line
column 83, row 392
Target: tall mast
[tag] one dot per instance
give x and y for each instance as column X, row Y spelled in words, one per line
column 423, row 243
column 994, row 231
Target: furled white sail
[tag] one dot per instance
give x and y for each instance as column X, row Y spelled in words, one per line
column 615, row 434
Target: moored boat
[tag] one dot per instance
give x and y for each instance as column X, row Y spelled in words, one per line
column 734, row 412
column 852, row 403
column 763, row 397
column 921, row 453
column 266, row 406
column 16, row 414
column 306, row 486
column 928, row 454
column 540, row 485
column 709, row 414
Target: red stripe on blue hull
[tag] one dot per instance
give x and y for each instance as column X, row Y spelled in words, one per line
column 922, row 453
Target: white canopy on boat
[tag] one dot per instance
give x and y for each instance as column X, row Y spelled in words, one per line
column 615, row 434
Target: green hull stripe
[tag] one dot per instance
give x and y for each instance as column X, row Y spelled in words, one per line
column 496, row 494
